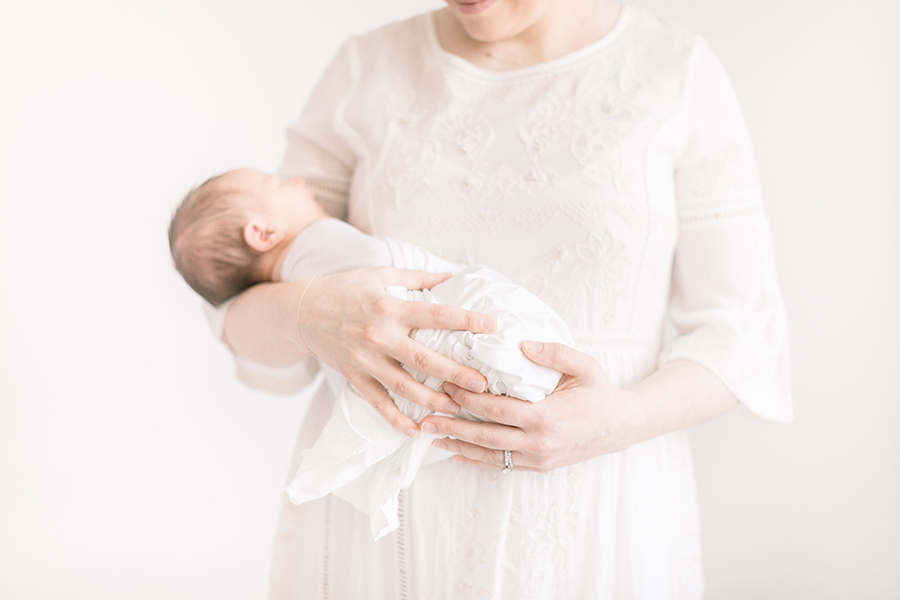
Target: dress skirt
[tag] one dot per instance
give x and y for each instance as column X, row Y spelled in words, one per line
column 622, row 526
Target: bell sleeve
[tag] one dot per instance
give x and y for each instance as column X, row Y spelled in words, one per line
column 725, row 310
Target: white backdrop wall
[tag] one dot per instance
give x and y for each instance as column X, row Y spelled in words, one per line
column 133, row 465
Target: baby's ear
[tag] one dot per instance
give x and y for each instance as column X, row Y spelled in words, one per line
column 261, row 238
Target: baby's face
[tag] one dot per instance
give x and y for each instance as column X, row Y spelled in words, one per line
column 285, row 198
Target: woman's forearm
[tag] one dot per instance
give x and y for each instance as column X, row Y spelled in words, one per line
column 587, row 416
column 353, row 325
column 261, row 324
column 679, row 395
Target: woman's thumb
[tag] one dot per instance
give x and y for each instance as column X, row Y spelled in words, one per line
column 560, row 357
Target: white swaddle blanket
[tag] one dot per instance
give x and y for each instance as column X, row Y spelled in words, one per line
column 359, row 457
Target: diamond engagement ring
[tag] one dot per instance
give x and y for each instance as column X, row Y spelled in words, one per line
column 507, row 461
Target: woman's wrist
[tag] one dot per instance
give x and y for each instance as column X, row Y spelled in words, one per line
column 623, row 421
column 300, row 316
column 637, row 422
column 261, row 324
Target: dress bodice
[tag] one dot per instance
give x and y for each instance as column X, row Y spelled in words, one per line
column 541, row 174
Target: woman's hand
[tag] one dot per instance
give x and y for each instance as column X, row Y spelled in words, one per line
column 354, row 326
column 585, row 416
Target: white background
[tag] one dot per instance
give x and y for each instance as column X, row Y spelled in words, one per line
column 133, row 465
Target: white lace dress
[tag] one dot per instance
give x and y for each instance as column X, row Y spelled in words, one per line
column 617, row 184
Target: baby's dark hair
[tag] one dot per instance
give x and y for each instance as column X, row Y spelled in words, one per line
column 206, row 238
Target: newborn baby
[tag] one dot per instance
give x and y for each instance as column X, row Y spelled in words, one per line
column 245, row 227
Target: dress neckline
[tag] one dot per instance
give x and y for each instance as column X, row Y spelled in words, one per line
column 433, row 44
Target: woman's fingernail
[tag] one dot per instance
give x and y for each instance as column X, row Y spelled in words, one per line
column 489, row 324
column 450, row 388
column 412, row 432
column 440, row 444
column 534, row 346
column 477, row 386
column 429, row 427
column 451, row 408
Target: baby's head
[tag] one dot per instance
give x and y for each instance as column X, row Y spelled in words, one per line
column 228, row 233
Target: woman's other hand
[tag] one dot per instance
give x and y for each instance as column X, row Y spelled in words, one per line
column 586, row 416
column 354, row 326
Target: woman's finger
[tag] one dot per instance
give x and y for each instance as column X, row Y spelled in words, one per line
column 500, row 409
column 416, row 356
column 374, row 393
column 473, row 452
column 487, row 435
column 427, row 315
column 401, row 383
column 565, row 359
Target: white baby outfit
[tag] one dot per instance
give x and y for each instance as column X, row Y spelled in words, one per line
column 358, row 456
column 617, row 184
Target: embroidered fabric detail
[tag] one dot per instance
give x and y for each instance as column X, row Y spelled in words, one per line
column 327, row 554
column 402, row 564
column 716, row 177
column 593, row 269
column 720, row 214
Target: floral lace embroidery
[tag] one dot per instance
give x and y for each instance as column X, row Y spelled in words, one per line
column 533, row 218
column 484, row 224
column 550, row 118
column 549, row 532
column 470, row 132
column 591, row 214
column 600, row 157
column 595, row 265
column 601, row 261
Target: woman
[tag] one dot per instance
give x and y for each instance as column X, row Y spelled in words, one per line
column 597, row 156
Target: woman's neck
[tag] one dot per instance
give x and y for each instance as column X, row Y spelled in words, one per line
column 564, row 27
